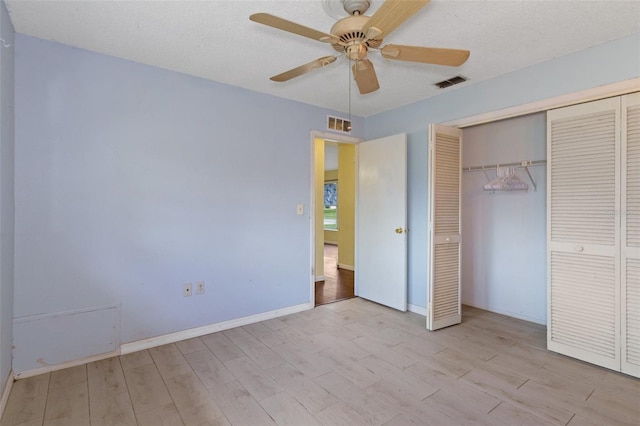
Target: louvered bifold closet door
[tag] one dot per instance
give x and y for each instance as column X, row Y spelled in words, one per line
column 445, row 149
column 583, row 231
column 630, row 289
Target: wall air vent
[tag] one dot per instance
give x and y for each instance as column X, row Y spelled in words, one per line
column 450, row 82
column 338, row 124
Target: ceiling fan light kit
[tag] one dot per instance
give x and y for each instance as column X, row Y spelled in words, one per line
column 356, row 34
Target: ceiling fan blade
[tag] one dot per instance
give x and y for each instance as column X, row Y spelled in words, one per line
column 427, row 55
column 292, row 27
column 391, row 14
column 365, row 76
column 303, row 69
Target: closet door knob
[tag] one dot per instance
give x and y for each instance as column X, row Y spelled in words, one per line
column 579, row 249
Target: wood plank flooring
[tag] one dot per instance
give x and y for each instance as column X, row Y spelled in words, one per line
column 338, row 283
column 347, row 363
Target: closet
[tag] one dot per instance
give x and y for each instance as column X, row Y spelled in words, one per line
column 593, row 232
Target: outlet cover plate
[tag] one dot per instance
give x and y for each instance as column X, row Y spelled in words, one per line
column 187, row 290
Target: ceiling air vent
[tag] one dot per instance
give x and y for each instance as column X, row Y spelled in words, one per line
column 339, row 124
column 453, row 80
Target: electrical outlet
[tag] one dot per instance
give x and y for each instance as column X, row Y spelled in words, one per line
column 186, row 290
column 200, row 287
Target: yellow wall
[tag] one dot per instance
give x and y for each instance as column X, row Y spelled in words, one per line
column 331, row 236
column 346, row 204
column 319, row 207
column 346, row 177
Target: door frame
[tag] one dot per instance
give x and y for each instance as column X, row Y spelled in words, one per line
column 333, row 137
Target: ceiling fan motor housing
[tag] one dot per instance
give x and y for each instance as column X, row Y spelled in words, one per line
column 349, row 31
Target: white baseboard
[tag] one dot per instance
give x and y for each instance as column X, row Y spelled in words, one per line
column 62, row 366
column 152, row 342
column 319, row 278
column 417, row 310
column 6, row 391
column 347, row 267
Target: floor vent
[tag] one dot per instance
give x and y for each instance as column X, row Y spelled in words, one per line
column 453, row 80
column 339, row 124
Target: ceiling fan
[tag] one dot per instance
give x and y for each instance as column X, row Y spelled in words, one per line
column 356, row 34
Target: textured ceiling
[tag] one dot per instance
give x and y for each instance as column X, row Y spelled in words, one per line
column 215, row 40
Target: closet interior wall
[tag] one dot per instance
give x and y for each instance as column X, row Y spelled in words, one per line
column 504, row 243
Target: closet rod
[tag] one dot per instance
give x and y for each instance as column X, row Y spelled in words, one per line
column 493, row 166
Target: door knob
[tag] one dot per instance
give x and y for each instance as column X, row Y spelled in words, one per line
column 399, row 230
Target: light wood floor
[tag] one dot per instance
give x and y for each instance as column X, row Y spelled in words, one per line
column 348, row 363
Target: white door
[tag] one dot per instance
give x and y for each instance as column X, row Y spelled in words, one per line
column 445, row 154
column 381, row 222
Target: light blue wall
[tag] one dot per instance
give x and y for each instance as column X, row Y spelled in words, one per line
column 131, row 181
column 608, row 63
column 505, row 233
column 6, row 192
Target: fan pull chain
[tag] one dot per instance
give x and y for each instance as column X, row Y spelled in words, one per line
column 350, row 79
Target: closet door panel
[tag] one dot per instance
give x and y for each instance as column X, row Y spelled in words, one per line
column 630, row 302
column 583, row 231
column 583, row 185
column 583, row 311
column 445, row 158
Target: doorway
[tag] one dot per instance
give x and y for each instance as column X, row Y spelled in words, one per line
column 334, row 236
column 377, row 227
